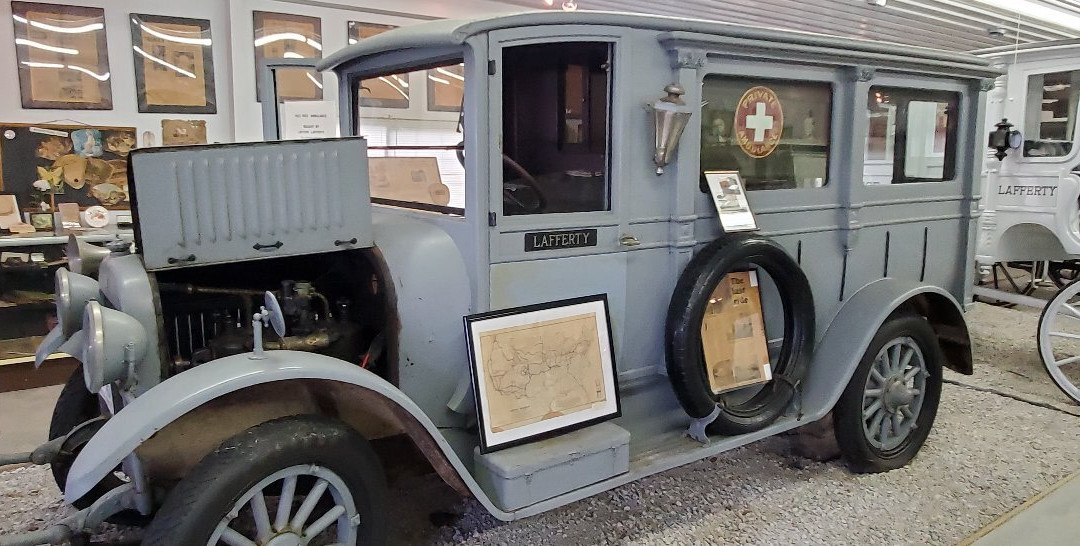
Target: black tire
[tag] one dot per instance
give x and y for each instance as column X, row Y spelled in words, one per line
column 859, row 453
column 685, row 358
column 194, row 507
column 75, row 406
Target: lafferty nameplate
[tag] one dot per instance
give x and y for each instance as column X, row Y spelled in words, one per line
column 551, row 240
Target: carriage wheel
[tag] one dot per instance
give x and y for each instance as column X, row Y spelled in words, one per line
column 1059, row 340
column 1064, row 272
column 1017, row 277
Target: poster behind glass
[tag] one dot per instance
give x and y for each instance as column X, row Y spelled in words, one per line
column 284, row 36
column 390, row 91
column 174, row 64
column 62, row 56
column 446, row 87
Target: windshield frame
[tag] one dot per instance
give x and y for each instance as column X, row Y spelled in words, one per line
column 398, row 62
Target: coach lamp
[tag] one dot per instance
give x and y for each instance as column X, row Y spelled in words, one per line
column 670, row 116
column 1004, row 138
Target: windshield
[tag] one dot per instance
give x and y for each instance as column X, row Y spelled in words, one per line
column 411, row 121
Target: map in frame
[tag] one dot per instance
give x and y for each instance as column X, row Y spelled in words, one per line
column 539, row 370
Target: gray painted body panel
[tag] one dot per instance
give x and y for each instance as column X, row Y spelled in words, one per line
column 445, row 267
column 431, row 289
column 214, row 204
column 126, row 285
column 455, row 32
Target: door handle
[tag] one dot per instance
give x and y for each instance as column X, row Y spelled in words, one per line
column 343, row 242
column 629, row 240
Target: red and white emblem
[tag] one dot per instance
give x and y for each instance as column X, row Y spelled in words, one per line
column 759, row 121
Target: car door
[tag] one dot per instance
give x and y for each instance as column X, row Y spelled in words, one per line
column 557, row 226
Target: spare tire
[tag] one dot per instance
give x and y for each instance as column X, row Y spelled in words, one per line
column 684, row 352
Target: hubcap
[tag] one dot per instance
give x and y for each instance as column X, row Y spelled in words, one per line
column 893, row 394
column 275, row 512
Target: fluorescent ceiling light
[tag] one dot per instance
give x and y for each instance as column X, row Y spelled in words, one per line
column 46, row 47
column 396, row 88
column 65, row 30
column 171, row 38
column 163, row 62
column 437, row 79
column 95, row 75
column 313, row 80
column 446, row 72
column 92, row 74
column 1031, row 10
column 296, row 37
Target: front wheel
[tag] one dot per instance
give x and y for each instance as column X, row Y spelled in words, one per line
column 885, row 413
column 295, row 480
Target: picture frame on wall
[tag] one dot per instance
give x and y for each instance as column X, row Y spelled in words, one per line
column 385, row 92
column 287, row 36
column 174, row 64
column 445, row 88
column 542, row 370
column 62, row 56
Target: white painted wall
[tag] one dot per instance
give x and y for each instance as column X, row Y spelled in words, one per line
column 238, row 117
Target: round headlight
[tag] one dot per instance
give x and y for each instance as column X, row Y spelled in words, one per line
column 113, row 340
column 73, row 291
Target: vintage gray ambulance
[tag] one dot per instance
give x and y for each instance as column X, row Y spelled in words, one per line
column 560, row 171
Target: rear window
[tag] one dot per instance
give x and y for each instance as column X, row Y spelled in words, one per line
column 911, row 136
column 774, row 132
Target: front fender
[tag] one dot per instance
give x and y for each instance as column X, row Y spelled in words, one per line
column 180, row 394
column 851, row 331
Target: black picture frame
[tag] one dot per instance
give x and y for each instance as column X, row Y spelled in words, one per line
column 140, row 54
column 470, row 323
column 66, row 60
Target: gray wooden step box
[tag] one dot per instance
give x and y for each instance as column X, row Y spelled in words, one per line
column 527, row 474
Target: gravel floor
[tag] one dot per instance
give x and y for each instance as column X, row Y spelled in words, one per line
column 987, row 454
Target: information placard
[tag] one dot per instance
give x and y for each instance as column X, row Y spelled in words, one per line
column 729, row 196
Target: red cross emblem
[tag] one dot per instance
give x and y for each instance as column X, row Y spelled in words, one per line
column 759, row 121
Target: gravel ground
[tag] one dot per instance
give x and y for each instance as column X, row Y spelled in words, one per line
column 987, row 454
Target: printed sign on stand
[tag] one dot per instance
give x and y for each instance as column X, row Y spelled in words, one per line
column 729, row 196
column 308, row 119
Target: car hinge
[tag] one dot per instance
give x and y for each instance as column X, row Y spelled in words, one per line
column 491, row 219
column 491, row 67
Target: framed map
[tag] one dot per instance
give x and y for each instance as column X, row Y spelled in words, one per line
column 385, row 92
column 542, row 370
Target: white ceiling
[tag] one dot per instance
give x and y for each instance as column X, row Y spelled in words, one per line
column 959, row 25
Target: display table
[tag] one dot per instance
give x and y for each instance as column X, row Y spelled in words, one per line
column 27, row 305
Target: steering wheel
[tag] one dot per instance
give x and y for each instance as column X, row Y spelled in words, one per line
column 523, row 194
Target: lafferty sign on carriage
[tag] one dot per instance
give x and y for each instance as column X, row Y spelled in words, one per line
column 1037, row 191
column 759, row 121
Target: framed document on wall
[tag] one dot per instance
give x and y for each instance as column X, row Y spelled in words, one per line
column 385, row 92
column 62, row 56
column 285, row 36
column 174, row 64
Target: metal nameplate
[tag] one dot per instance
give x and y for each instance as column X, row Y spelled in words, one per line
column 552, row 240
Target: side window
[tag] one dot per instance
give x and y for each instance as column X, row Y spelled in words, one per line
column 774, row 132
column 555, row 128
column 911, row 136
column 1050, row 113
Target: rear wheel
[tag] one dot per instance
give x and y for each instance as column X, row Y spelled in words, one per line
column 291, row 481
column 885, row 414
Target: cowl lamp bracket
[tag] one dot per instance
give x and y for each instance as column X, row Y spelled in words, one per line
column 670, row 116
